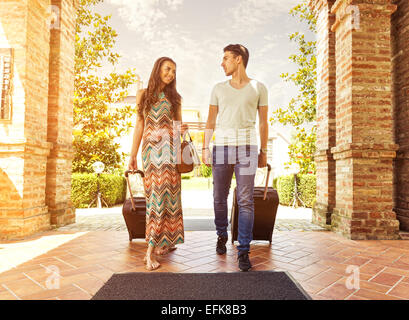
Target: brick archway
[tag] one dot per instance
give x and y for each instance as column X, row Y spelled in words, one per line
column 37, row 50
column 362, row 112
column 362, row 109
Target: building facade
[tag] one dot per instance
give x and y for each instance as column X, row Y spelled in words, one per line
column 362, row 115
column 362, row 111
column 37, row 86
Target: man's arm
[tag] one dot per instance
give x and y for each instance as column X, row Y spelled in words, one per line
column 210, row 125
column 263, row 127
column 208, row 134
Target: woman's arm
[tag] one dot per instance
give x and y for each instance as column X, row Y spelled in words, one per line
column 178, row 117
column 138, row 132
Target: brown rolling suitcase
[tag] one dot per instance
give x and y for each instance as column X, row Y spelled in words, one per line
column 265, row 210
column 134, row 211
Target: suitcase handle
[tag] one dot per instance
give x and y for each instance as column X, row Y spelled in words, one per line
column 129, row 185
column 268, row 176
column 133, row 172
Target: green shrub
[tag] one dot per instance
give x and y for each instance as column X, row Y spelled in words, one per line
column 275, row 183
column 306, row 184
column 185, row 177
column 285, row 189
column 206, row 171
column 89, row 149
column 84, row 187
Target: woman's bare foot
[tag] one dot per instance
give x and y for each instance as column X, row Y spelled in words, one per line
column 151, row 263
column 149, row 259
column 164, row 250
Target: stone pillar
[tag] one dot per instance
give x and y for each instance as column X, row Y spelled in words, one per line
column 60, row 113
column 400, row 61
column 326, row 75
column 365, row 147
column 26, row 164
column 24, row 147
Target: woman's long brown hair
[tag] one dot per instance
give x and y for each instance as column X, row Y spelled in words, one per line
column 150, row 96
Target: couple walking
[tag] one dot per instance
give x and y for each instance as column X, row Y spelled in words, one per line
column 233, row 104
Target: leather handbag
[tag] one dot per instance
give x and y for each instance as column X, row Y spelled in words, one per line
column 188, row 157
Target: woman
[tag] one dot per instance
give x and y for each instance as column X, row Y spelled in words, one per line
column 159, row 112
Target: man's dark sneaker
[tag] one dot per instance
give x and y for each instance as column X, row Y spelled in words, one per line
column 244, row 261
column 221, row 245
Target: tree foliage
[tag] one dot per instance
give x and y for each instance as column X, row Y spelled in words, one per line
column 95, row 126
column 301, row 110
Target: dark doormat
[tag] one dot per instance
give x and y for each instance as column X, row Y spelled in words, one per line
column 253, row 285
column 199, row 224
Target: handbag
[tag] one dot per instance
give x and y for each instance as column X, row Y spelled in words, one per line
column 188, row 157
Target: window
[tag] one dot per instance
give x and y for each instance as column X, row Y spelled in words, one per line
column 5, row 83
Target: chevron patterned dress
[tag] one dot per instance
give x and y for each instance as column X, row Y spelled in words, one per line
column 164, row 218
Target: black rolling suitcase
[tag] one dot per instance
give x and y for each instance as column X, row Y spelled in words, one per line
column 265, row 210
column 134, row 211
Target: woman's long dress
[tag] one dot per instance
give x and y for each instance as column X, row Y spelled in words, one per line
column 164, row 219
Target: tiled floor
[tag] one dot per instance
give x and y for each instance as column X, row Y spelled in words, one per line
column 111, row 219
column 74, row 265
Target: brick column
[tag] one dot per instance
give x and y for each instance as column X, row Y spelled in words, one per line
column 41, row 108
column 326, row 74
column 24, row 147
column 60, row 113
column 365, row 147
column 400, row 61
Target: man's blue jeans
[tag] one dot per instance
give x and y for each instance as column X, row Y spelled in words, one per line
column 243, row 161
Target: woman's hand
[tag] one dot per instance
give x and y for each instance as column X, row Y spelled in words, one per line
column 206, row 157
column 133, row 165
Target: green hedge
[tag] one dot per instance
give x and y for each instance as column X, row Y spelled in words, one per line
column 306, row 187
column 84, row 187
column 206, row 171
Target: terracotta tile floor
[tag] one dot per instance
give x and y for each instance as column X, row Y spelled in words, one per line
column 74, row 265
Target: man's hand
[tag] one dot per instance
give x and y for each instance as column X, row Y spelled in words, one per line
column 206, row 157
column 262, row 160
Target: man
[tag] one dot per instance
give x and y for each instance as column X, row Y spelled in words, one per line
column 234, row 103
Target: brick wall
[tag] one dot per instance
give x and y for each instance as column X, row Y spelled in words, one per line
column 325, row 164
column 24, row 152
column 400, row 61
column 365, row 146
column 39, row 122
column 60, row 114
column 362, row 118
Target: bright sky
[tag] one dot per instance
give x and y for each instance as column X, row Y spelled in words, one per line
column 194, row 33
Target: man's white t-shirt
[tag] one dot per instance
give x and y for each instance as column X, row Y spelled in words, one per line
column 237, row 112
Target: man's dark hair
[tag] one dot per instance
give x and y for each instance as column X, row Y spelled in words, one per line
column 239, row 50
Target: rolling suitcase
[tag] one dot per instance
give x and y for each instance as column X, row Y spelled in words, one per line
column 265, row 210
column 134, row 211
